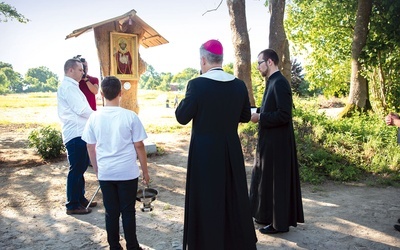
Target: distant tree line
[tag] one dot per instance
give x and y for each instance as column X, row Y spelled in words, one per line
column 39, row 79
column 166, row 81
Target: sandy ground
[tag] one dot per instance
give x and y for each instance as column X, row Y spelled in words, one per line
column 337, row 216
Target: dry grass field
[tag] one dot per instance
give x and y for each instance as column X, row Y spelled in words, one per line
column 337, row 216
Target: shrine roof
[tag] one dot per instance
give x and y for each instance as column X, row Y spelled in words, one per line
column 150, row 38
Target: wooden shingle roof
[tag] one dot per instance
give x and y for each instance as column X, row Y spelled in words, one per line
column 151, row 37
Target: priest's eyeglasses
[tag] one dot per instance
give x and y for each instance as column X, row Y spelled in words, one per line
column 260, row 62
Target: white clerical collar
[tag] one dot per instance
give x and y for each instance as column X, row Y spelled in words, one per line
column 218, row 74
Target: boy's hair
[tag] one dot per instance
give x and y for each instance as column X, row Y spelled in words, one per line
column 110, row 87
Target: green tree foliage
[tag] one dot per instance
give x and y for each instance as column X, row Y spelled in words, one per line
column 258, row 84
column 15, row 79
column 381, row 55
column 8, row 12
column 166, row 79
column 298, row 83
column 150, row 79
column 5, row 65
column 41, row 79
column 162, row 81
column 228, row 68
column 321, row 32
column 4, row 83
column 184, row 76
column 10, row 81
column 346, row 150
column 41, row 73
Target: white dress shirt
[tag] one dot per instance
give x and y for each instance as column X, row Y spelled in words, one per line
column 73, row 109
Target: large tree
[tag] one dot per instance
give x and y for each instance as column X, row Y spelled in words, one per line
column 10, row 81
column 241, row 44
column 359, row 97
column 150, row 79
column 320, row 35
column 277, row 36
column 347, row 43
column 185, row 75
column 40, row 79
column 381, row 56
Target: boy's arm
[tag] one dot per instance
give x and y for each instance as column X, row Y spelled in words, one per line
column 91, row 148
column 142, row 156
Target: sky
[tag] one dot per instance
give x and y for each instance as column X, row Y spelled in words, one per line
column 186, row 24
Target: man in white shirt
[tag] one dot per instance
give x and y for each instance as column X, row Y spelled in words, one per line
column 74, row 111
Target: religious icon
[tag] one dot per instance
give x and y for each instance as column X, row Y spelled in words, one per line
column 124, row 56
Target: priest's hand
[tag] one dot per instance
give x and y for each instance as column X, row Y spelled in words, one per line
column 255, row 117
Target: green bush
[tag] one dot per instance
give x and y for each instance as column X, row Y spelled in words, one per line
column 359, row 148
column 47, row 141
column 347, row 149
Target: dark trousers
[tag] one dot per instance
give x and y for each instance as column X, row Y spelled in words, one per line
column 78, row 159
column 119, row 197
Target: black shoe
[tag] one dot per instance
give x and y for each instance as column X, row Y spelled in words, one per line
column 397, row 227
column 398, row 220
column 270, row 230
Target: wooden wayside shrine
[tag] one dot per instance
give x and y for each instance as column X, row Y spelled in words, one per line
column 117, row 41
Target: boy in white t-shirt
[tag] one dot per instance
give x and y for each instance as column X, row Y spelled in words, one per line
column 114, row 138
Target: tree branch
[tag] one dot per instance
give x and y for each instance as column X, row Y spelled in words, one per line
column 213, row 9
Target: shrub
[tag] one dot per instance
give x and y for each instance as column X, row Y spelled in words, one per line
column 349, row 149
column 47, row 141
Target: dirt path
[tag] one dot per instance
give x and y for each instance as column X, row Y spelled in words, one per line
column 33, row 215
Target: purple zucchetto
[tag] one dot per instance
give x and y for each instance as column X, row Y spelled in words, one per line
column 213, row 46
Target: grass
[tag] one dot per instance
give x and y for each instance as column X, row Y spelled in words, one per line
column 155, row 97
column 361, row 148
column 28, row 100
column 13, row 103
column 357, row 149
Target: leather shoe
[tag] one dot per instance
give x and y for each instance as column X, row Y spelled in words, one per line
column 85, row 203
column 270, row 230
column 79, row 210
column 397, row 227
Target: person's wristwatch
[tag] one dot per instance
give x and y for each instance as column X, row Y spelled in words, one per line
column 87, row 80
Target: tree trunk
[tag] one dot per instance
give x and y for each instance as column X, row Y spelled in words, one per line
column 358, row 96
column 241, row 44
column 277, row 36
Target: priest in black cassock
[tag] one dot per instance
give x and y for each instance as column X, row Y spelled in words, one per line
column 275, row 193
column 217, row 206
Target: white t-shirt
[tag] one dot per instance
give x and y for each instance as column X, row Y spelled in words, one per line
column 114, row 130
